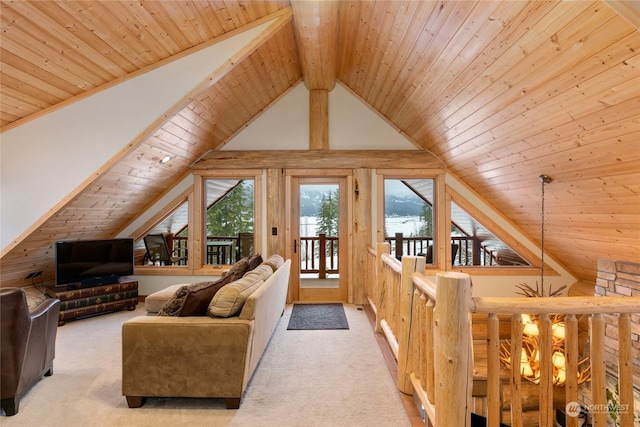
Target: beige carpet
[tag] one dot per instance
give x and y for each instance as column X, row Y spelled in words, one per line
column 305, row 378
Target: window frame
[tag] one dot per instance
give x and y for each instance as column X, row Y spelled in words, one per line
column 438, row 201
column 198, row 215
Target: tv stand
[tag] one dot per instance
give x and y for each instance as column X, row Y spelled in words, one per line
column 80, row 300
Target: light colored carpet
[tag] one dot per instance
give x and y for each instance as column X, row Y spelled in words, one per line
column 305, row 378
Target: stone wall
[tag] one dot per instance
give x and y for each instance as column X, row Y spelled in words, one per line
column 618, row 278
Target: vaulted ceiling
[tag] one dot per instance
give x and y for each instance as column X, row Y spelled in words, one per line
column 500, row 91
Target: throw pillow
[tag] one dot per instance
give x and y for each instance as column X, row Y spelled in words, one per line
column 255, row 261
column 172, row 306
column 200, row 295
column 229, row 300
column 198, row 303
column 274, row 261
column 197, row 300
column 262, row 271
column 239, row 268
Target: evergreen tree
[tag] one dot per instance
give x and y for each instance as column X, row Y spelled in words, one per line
column 426, row 217
column 233, row 213
column 328, row 214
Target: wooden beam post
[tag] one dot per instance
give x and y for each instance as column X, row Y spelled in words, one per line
column 361, row 233
column 319, row 119
column 453, row 349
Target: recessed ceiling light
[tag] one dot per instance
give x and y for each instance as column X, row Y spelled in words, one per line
column 166, row 159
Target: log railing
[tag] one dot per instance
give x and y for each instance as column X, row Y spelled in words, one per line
column 429, row 330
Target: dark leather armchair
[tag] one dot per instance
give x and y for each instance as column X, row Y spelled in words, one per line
column 28, row 344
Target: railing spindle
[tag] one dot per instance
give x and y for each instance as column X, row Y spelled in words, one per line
column 493, row 371
column 571, row 367
column 422, row 319
column 431, row 388
column 598, row 371
column 516, row 378
column 546, row 371
column 625, row 371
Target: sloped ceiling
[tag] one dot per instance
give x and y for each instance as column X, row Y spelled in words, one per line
column 501, row 91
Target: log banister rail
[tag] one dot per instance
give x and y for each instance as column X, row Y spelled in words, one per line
column 409, row 307
column 563, row 305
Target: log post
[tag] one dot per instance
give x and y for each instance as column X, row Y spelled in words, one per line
column 410, row 264
column 381, row 248
column 453, row 349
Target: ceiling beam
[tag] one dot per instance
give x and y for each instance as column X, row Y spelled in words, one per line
column 316, row 30
column 318, row 159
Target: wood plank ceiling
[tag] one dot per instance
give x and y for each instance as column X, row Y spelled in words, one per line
column 501, row 91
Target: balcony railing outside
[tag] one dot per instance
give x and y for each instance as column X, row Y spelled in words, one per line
column 220, row 250
column 319, row 255
column 466, row 251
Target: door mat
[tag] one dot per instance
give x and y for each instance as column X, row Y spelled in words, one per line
column 317, row 316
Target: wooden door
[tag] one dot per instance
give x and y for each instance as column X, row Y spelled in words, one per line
column 319, row 263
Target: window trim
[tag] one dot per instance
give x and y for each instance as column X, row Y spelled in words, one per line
column 197, row 216
column 438, row 201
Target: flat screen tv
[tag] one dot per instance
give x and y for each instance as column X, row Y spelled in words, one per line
column 93, row 262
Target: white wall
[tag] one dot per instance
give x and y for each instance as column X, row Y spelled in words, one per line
column 53, row 155
column 352, row 125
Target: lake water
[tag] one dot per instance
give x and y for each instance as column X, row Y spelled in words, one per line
column 407, row 225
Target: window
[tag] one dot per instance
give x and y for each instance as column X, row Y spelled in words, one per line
column 474, row 245
column 229, row 220
column 166, row 244
column 408, row 216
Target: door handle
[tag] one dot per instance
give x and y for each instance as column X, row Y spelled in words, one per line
column 295, row 246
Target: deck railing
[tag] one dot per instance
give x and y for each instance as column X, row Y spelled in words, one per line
column 429, row 329
column 319, row 254
column 465, row 250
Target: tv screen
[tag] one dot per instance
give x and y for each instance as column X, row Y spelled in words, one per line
column 93, row 261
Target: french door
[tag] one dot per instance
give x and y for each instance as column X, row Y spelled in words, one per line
column 318, row 236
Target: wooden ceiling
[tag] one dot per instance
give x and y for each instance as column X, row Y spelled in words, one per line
column 500, row 91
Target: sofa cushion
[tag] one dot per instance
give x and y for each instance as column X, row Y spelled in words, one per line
column 275, row 261
column 229, row 300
